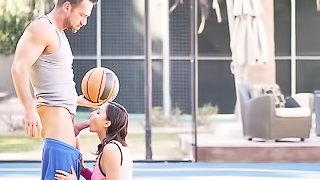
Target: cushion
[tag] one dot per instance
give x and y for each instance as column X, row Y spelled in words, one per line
column 293, row 112
column 259, row 89
column 256, row 90
column 245, row 90
column 275, row 90
column 291, row 102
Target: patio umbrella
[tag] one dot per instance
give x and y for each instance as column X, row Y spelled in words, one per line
column 248, row 38
column 248, row 41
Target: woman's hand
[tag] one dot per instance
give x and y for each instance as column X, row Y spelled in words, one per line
column 63, row 175
column 82, row 101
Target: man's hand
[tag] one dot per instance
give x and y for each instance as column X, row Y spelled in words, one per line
column 32, row 123
column 82, row 101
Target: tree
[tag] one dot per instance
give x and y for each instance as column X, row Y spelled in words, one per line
column 15, row 15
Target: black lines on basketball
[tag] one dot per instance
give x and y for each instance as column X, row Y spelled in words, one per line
column 108, row 86
column 88, row 85
column 100, row 85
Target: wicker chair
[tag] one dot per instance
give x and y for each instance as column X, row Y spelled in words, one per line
column 261, row 119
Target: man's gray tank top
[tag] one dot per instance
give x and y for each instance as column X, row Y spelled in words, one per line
column 52, row 76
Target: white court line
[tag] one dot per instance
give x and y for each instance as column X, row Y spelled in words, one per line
column 233, row 177
column 284, row 171
column 20, row 169
column 299, row 175
column 228, row 178
column 186, row 169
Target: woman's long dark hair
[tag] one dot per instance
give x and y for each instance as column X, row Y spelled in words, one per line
column 117, row 131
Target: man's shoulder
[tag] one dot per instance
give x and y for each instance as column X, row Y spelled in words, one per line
column 40, row 26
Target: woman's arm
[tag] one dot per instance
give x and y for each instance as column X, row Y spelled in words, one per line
column 86, row 173
column 63, row 175
column 110, row 162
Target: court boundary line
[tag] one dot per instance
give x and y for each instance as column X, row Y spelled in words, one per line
column 194, row 169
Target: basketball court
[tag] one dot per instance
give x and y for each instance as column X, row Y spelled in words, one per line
column 188, row 171
column 177, row 64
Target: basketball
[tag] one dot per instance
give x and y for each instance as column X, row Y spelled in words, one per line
column 100, row 85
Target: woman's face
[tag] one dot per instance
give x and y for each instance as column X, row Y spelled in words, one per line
column 98, row 119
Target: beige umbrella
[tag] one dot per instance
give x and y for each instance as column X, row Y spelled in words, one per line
column 248, row 41
column 248, row 38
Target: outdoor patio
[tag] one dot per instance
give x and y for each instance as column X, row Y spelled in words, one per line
column 228, row 145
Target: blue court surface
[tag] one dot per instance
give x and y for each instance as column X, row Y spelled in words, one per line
column 189, row 171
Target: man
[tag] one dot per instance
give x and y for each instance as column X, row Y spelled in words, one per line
column 44, row 57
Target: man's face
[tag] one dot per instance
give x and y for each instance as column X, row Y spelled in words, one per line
column 78, row 16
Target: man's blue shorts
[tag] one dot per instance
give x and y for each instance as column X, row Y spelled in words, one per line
column 57, row 155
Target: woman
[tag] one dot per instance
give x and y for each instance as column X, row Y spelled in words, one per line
column 110, row 122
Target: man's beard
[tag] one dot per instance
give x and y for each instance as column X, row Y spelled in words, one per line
column 71, row 28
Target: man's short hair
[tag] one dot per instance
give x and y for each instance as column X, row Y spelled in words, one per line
column 73, row 2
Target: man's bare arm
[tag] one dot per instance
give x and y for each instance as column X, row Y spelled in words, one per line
column 30, row 46
column 28, row 50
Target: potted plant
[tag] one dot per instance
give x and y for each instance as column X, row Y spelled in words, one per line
column 206, row 114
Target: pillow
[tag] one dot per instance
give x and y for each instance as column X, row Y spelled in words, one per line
column 291, row 102
column 274, row 89
column 260, row 89
column 256, row 90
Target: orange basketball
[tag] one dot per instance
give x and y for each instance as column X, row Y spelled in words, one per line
column 100, row 85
